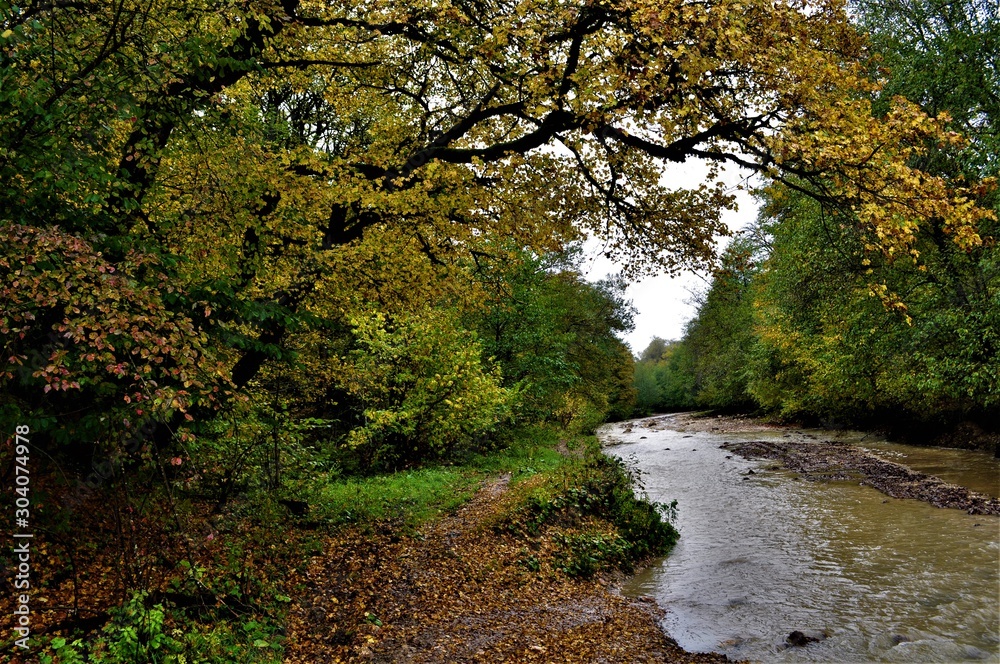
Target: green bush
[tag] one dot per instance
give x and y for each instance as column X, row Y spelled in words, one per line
column 597, row 486
column 423, row 388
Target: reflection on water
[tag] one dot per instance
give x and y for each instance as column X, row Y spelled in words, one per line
column 763, row 554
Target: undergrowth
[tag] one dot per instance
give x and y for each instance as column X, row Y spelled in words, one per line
column 589, row 504
column 228, row 602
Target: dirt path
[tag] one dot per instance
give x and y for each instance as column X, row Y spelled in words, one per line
column 465, row 593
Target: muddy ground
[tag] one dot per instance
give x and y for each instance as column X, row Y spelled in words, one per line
column 462, row 592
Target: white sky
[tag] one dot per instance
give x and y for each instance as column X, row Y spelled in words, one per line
column 664, row 303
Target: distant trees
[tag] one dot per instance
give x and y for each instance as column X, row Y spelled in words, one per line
column 554, row 337
column 804, row 319
column 664, row 377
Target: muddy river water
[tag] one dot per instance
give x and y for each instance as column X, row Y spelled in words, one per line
column 765, row 553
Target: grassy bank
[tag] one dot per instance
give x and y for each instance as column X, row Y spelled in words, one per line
column 564, row 510
column 519, row 572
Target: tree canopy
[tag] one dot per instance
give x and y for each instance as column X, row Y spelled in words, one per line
column 186, row 185
column 811, row 323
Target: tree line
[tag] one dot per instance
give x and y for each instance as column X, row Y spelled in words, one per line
column 205, row 205
column 801, row 319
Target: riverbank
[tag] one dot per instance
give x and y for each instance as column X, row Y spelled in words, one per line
column 828, row 460
column 821, row 460
column 467, row 589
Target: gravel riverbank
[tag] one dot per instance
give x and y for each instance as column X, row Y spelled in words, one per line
column 828, row 460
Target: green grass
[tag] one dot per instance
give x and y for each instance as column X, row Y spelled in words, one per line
column 408, row 499
column 556, row 480
column 532, row 450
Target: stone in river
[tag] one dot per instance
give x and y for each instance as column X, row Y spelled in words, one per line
column 797, row 639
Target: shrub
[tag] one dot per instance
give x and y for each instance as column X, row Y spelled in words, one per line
column 594, row 487
column 422, row 386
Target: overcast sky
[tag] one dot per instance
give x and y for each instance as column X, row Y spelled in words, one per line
column 664, row 304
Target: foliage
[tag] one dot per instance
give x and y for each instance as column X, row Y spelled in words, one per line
column 142, row 633
column 675, row 378
column 136, row 633
column 595, row 485
column 422, row 386
column 941, row 55
column 664, row 377
column 828, row 347
column 519, row 324
column 245, row 171
column 721, row 334
column 584, row 554
column 648, row 396
column 815, row 325
column 554, row 337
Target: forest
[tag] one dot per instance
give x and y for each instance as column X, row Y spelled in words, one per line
column 283, row 276
column 802, row 321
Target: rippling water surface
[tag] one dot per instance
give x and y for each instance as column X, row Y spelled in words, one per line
column 764, row 553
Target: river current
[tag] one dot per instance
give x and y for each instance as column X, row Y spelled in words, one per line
column 764, row 553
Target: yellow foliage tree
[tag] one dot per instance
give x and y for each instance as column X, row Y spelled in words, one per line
column 277, row 156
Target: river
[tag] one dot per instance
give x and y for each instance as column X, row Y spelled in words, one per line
column 764, row 553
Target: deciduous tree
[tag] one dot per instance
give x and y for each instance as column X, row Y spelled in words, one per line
column 236, row 161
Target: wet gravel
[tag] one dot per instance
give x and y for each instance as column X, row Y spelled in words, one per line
column 829, row 461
